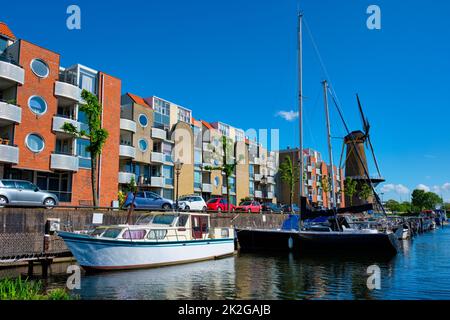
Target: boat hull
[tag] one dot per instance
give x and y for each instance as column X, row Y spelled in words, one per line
column 95, row 254
column 269, row 240
column 326, row 242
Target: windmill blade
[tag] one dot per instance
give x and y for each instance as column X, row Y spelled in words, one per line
column 366, row 125
column 373, row 155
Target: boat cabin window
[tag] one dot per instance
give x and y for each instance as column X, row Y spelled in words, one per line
column 199, row 226
column 112, row 233
column 164, row 219
column 157, row 234
column 145, row 220
column 182, row 220
column 97, row 232
column 134, row 234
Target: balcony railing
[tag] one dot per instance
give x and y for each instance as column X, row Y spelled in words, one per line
column 258, row 194
column 60, row 120
column 157, row 157
column 10, row 112
column 68, row 91
column 207, row 187
column 8, row 152
column 11, row 71
column 127, row 151
column 159, row 134
column 128, row 125
column 126, row 177
column 66, row 162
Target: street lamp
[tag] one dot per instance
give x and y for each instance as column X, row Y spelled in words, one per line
column 178, row 166
column 264, row 182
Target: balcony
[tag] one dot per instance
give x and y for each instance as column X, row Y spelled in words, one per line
column 10, row 112
column 9, row 154
column 67, row 91
column 257, row 177
column 64, row 162
column 270, row 195
column 157, row 157
column 127, row 152
column 258, row 194
column 126, row 177
column 207, row 187
column 10, row 73
column 159, row 134
column 310, row 183
column 128, row 125
column 256, row 161
column 310, row 168
column 58, row 123
column 270, row 180
column 157, row 182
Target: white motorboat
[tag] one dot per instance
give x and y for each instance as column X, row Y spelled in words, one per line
column 157, row 239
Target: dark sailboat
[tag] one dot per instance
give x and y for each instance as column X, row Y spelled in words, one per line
column 335, row 233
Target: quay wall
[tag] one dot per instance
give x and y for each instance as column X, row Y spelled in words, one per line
column 22, row 229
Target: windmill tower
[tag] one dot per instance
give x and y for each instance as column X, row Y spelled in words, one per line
column 356, row 167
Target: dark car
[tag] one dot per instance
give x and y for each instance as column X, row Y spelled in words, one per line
column 272, row 208
column 288, row 209
column 148, row 200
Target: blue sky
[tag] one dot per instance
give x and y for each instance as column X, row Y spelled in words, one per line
column 235, row 61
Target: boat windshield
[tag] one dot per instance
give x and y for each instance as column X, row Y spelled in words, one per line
column 166, row 219
column 112, row 233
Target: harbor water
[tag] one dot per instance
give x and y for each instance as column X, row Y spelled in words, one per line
column 420, row 271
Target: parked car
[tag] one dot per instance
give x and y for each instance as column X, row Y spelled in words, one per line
column 148, row 200
column 25, row 193
column 272, row 208
column 287, row 208
column 249, row 206
column 219, row 204
column 192, row 202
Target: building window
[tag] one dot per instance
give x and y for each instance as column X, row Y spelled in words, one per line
column 161, row 114
column 35, row 142
column 239, row 135
column 37, row 105
column 40, row 68
column 143, row 145
column 168, row 175
column 184, row 115
column 216, row 181
column 88, row 81
column 83, row 154
column 224, row 129
column 168, row 194
column 143, row 120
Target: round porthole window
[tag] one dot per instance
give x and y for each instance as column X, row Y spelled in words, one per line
column 38, row 105
column 40, row 68
column 143, row 120
column 35, row 142
column 216, row 181
column 143, row 145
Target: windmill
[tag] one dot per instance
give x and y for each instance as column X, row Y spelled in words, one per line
column 356, row 166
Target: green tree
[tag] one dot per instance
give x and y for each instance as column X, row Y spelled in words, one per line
column 289, row 174
column 350, row 186
column 422, row 200
column 365, row 192
column 97, row 135
column 228, row 164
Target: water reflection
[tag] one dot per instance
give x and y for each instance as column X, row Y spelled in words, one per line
column 420, row 271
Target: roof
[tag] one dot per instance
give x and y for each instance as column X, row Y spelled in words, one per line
column 196, row 122
column 138, row 99
column 206, row 124
column 5, row 31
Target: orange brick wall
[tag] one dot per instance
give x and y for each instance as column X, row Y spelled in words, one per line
column 110, row 92
column 31, row 123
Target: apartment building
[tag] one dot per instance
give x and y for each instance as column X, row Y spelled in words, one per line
column 37, row 96
column 162, row 132
column 316, row 173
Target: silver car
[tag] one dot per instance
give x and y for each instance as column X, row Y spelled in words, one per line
column 24, row 193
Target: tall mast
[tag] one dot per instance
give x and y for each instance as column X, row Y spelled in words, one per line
column 300, row 106
column 330, row 151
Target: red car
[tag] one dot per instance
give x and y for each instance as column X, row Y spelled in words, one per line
column 250, row 207
column 218, row 204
